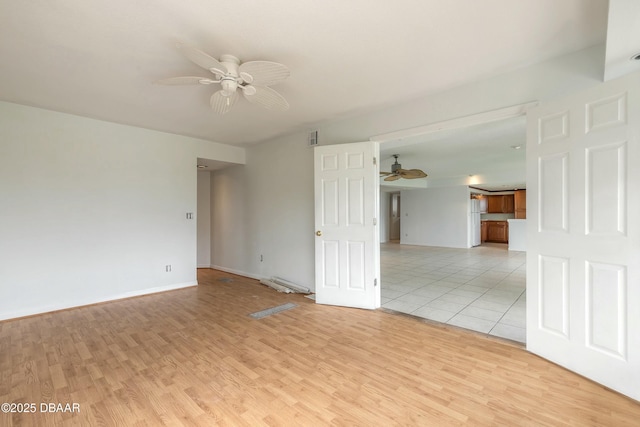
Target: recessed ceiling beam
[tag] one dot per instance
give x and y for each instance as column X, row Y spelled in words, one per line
column 461, row 122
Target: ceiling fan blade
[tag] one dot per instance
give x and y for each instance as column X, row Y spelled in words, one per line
column 411, row 173
column 392, row 178
column 386, row 173
column 268, row 98
column 248, row 90
column 202, row 59
column 222, row 104
column 263, row 73
column 186, row 80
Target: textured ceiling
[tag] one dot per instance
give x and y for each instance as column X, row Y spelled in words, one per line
column 99, row 58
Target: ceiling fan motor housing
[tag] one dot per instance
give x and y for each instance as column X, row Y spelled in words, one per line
column 229, row 85
column 395, row 167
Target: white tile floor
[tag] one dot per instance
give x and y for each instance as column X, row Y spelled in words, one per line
column 481, row 288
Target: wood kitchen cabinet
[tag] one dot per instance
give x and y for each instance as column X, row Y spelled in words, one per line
column 501, row 204
column 520, row 204
column 497, row 231
column 483, row 231
column 494, row 204
column 507, row 203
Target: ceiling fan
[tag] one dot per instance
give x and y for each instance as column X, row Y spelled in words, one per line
column 252, row 78
column 397, row 172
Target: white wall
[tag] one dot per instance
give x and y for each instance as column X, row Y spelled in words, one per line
column 436, row 217
column 274, row 205
column 266, row 208
column 203, row 219
column 92, row 211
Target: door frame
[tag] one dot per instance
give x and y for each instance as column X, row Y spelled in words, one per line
column 457, row 123
column 397, row 196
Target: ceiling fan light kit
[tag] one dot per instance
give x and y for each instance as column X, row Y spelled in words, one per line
column 253, row 78
column 397, row 172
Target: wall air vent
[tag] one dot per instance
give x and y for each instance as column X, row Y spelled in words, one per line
column 313, row 138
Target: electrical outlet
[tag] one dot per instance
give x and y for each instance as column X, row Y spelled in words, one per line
column 167, row 268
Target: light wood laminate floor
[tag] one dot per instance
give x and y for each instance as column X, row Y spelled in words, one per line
column 196, row 357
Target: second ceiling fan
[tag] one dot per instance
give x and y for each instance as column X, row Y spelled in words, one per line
column 397, row 172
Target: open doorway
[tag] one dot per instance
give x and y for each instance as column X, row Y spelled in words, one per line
column 205, row 208
column 482, row 288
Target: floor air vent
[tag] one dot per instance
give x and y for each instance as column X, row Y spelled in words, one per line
column 272, row 310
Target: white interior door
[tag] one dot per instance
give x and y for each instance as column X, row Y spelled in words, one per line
column 583, row 231
column 347, row 236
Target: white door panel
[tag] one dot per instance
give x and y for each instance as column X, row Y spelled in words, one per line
column 347, row 236
column 583, row 213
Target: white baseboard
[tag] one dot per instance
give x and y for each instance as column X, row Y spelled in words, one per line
column 237, row 272
column 90, row 301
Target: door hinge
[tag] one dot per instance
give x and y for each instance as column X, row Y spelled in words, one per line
column 375, row 283
column 375, row 161
column 375, row 221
